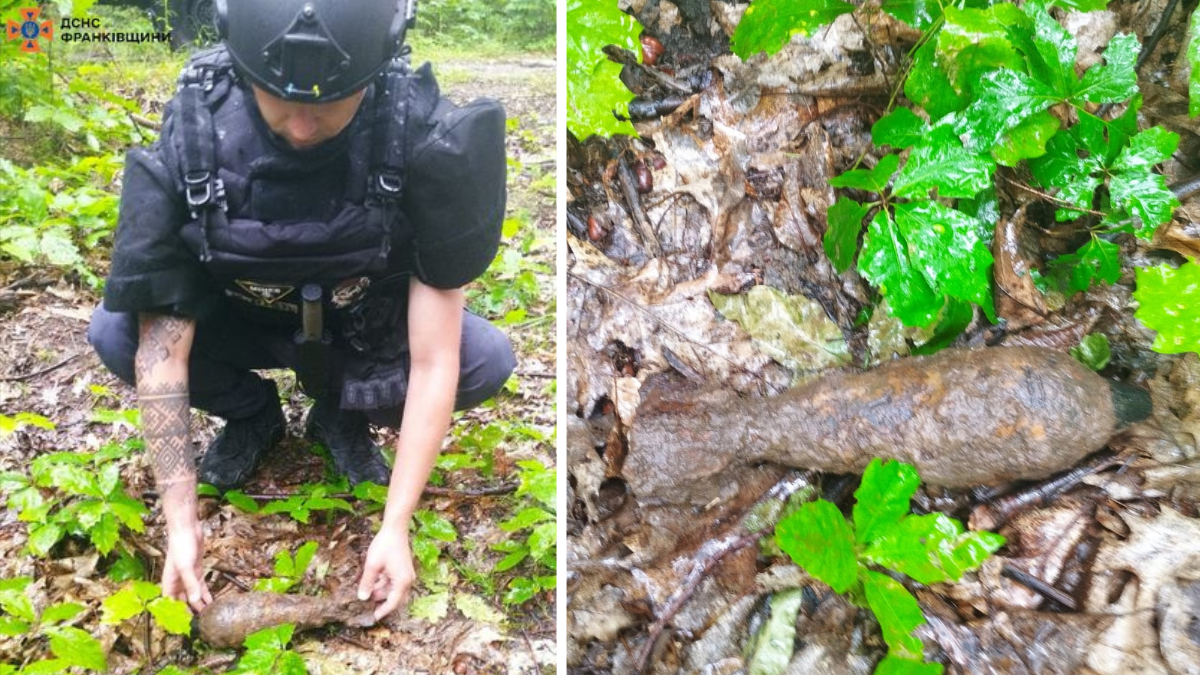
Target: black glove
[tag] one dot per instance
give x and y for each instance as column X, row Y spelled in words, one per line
column 372, row 385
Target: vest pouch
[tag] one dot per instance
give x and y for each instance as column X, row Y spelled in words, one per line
column 260, row 264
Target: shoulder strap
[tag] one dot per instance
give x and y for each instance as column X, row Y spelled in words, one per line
column 389, row 147
column 205, row 79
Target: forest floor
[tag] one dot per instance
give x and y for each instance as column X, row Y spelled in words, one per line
column 467, row 616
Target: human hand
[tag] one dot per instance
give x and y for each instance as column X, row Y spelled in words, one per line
column 183, row 576
column 388, row 570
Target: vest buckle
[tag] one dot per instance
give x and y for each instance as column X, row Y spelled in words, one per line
column 203, row 190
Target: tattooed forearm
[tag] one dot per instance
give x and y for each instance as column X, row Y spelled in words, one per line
column 165, row 425
column 162, row 384
column 159, row 337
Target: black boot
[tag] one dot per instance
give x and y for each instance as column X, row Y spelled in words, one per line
column 347, row 434
column 236, row 452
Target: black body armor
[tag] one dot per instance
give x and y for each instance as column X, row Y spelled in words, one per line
column 413, row 185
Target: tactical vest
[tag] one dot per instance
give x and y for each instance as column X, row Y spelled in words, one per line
column 266, row 226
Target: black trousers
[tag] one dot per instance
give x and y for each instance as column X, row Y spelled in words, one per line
column 226, row 349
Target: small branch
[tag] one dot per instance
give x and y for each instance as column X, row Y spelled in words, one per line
column 640, row 221
column 1050, row 198
column 39, row 373
column 698, row 574
column 1039, row 586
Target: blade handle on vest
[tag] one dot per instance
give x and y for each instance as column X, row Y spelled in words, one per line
column 313, row 342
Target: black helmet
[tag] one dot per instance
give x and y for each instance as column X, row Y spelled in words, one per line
column 313, row 50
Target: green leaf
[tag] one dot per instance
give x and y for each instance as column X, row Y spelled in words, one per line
column 945, row 245
column 1146, row 196
column 845, row 221
column 1169, row 302
column 882, row 498
column 792, row 329
column 594, row 89
column 932, row 548
column 105, row 533
column 122, row 605
column 432, row 608
column 513, row 559
column 46, row 667
column 1146, row 149
column 275, row 638
column 944, row 164
column 1005, row 98
column 171, row 614
column 539, row 482
column 767, row 25
column 542, row 540
column 1026, row 140
column 884, row 262
column 976, row 41
column 1115, row 81
column 929, row 87
column 126, row 568
column 900, row 129
column 1193, row 57
column 77, row 648
column 520, row 589
column 10, row 626
column 146, row 590
column 871, row 180
column 476, row 608
column 897, row 612
column 435, row 526
column 129, row 511
column 73, row 479
column 425, row 551
column 291, row 663
column 239, row 500
column 1063, row 169
column 43, row 538
column 1093, row 351
column 919, row 14
column 894, row 665
column 526, row 518
column 1080, row 5
column 1097, row 260
column 818, row 539
column 304, row 557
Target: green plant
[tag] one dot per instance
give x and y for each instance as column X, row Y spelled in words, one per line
column 289, row 570
column 1169, row 300
column 1093, row 351
column 140, row 597
column 11, row 424
column 86, row 498
column 267, row 653
column 300, row 506
column 538, row 526
column 930, row 549
column 71, row 646
column 594, row 91
column 428, row 528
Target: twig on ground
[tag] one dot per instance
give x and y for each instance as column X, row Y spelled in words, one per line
column 698, row 574
column 1039, row 586
column 641, row 222
column 39, row 373
column 1050, row 198
column 989, row 516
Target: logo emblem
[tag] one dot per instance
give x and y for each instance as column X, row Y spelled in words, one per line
column 29, row 30
column 266, row 294
column 348, row 292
